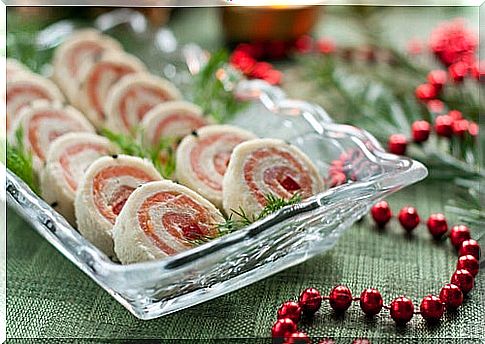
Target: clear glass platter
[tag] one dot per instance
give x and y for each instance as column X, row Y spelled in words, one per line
column 286, row 238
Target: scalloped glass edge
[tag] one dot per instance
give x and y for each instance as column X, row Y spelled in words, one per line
column 149, row 290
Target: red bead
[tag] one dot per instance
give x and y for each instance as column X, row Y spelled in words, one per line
column 340, row 298
column 326, row 46
column 431, row 308
column 409, row 218
column 426, row 92
column 460, row 127
column 283, row 328
column 397, row 144
column 469, row 263
column 371, row 301
column 458, row 71
column 470, row 247
column 420, row 131
column 458, row 234
column 455, row 114
column 435, row 106
column 437, row 78
column 381, row 213
column 290, row 310
column 304, row 44
column 402, row 310
column 473, row 129
column 298, row 338
column 310, row 301
column 361, row 341
column 443, row 125
column 326, row 341
column 451, row 295
column 437, row 225
column 463, row 279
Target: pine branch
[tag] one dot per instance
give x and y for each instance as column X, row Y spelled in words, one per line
column 213, row 88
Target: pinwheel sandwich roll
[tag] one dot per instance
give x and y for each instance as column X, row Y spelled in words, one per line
column 77, row 52
column 133, row 96
column 44, row 121
column 102, row 193
column 171, row 120
column 267, row 166
column 99, row 77
column 15, row 68
column 202, row 158
column 161, row 219
column 24, row 88
column 68, row 158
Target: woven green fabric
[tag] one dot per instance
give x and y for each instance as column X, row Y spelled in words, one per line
column 47, row 297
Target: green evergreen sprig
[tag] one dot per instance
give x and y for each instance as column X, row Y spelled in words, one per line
column 213, row 87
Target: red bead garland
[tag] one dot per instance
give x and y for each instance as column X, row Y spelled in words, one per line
column 402, row 308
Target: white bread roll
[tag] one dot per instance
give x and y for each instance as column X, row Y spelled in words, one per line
column 99, row 77
column 170, row 120
column 202, row 158
column 42, row 122
column 15, row 68
column 68, row 158
column 161, row 219
column 133, row 96
column 24, row 88
column 77, row 52
column 267, row 166
column 102, row 193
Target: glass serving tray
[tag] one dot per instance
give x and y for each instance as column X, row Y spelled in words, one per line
column 286, row 238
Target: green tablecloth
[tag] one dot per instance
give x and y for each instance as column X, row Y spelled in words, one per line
column 47, row 297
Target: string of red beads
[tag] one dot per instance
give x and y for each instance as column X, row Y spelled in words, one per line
column 401, row 309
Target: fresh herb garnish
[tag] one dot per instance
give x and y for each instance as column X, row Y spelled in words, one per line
column 20, row 161
column 232, row 224
column 162, row 156
column 213, row 88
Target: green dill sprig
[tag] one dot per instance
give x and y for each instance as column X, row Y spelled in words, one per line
column 162, row 155
column 231, row 224
column 20, row 161
column 212, row 89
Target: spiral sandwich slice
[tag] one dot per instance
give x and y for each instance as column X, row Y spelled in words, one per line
column 78, row 52
column 103, row 192
column 44, row 121
column 68, row 158
column 98, row 79
column 161, row 219
column 23, row 88
column 267, row 166
column 202, row 158
column 133, row 96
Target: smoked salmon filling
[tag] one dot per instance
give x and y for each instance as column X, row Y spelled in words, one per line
column 77, row 53
column 267, row 166
column 104, row 190
column 171, row 120
column 161, row 219
column 23, row 88
column 133, row 96
column 98, row 79
column 202, row 158
column 42, row 122
column 68, row 158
